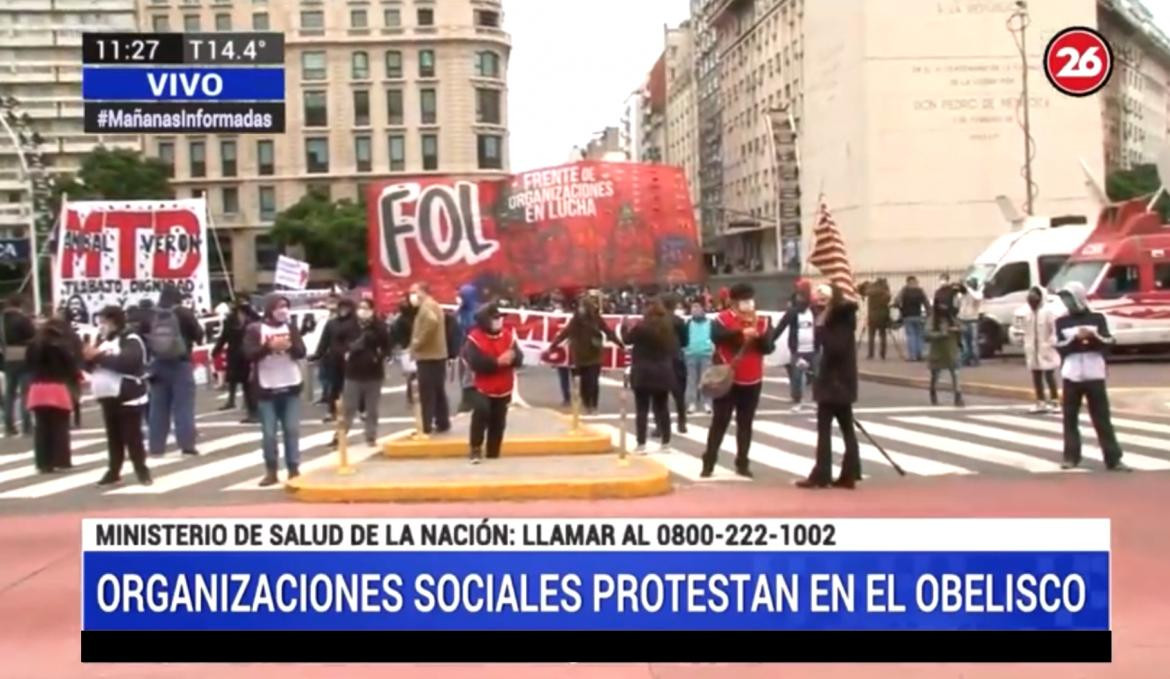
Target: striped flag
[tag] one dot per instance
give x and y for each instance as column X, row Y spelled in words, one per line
column 829, row 255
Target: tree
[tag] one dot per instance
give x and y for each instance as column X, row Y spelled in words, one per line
column 114, row 174
column 333, row 233
column 1141, row 180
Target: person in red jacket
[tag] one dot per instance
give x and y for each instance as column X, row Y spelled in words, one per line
column 493, row 355
column 742, row 339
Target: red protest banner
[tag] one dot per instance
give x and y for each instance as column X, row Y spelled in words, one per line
column 586, row 224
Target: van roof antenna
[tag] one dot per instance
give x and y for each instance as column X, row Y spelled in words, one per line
column 1009, row 211
column 1096, row 192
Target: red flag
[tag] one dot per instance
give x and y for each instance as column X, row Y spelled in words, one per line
column 829, row 255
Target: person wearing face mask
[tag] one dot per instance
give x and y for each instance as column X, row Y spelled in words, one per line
column 1083, row 338
column 698, row 354
column 365, row 369
column 492, row 354
column 799, row 322
column 400, row 332
column 117, row 362
column 586, row 333
column 943, row 348
column 741, row 340
column 1040, row 352
column 274, row 346
column 323, row 375
column 428, row 346
column 336, row 336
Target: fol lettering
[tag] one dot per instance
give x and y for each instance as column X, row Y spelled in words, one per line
column 445, row 224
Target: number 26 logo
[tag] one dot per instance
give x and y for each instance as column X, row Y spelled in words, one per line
column 1078, row 61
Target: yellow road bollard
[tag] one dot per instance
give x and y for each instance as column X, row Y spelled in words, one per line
column 419, row 434
column 575, row 429
column 623, row 452
column 343, row 466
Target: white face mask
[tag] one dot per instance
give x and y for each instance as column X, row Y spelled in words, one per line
column 497, row 324
column 108, row 330
column 414, row 299
column 280, row 315
column 747, row 305
column 365, row 314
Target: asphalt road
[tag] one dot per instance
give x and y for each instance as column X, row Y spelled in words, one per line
column 987, row 438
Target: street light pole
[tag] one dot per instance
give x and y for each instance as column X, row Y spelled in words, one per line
column 34, row 253
column 1025, row 19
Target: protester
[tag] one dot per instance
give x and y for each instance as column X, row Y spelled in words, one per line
column 231, row 343
column 943, row 339
column 585, row 332
column 336, row 336
column 401, row 329
column 171, row 331
column 53, row 362
column 324, row 375
column 118, row 366
column 16, row 331
column 877, row 320
column 564, row 373
column 1083, row 338
column 678, row 391
column 799, row 323
column 947, row 292
column 365, row 369
column 835, row 389
column 492, row 354
column 698, row 354
column 970, row 306
column 465, row 322
column 428, row 347
column 1040, row 352
column 274, row 346
column 912, row 307
column 742, row 340
column 654, row 346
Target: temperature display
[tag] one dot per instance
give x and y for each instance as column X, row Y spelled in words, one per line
column 233, row 48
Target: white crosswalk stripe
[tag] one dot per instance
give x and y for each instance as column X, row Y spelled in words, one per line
column 679, row 464
column 1137, row 425
column 27, row 456
column 761, row 453
column 1135, row 460
column 963, row 448
column 910, row 463
column 67, row 482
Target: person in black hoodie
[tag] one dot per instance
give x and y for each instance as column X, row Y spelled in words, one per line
column 365, row 369
column 274, row 346
column 331, row 349
column 17, row 330
column 1083, row 338
column 400, row 332
column 679, row 389
column 53, row 362
column 655, row 347
column 117, row 361
column 231, row 339
column 492, row 354
column 835, row 389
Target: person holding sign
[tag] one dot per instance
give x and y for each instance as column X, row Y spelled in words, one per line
column 492, row 354
column 117, row 361
column 274, row 346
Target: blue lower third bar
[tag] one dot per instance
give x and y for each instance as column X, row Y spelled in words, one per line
column 596, row 591
column 182, row 84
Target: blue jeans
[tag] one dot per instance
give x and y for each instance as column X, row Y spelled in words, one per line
column 970, row 338
column 915, row 337
column 16, row 387
column 285, row 410
column 797, row 376
column 696, row 366
column 172, row 398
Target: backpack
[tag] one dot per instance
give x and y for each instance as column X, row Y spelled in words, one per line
column 166, row 340
column 451, row 326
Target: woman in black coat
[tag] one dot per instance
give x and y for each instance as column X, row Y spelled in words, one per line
column 835, row 389
column 54, row 363
column 652, row 375
column 401, row 330
column 239, row 370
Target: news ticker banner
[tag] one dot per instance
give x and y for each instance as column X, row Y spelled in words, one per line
column 605, row 590
column 183, row 82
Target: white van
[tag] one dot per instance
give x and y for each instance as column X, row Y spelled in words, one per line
column 1013, row 263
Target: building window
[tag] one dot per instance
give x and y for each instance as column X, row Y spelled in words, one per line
column 223, row 22
column 428, row 106
column 487, row 18
column 360, row 66
column 166, row 156
column 313, row 66
column 317, row 155
column 312, row 19
column 198, row 151
column 361, row 108
column 358, row 18
column 426, row 16
column 227, row 158
column 397, row 153
column 426, row 63
column 260, row 21
column 267, row 251
column 160, row 23
column 362, row 151
column 393, row 64
column 488, row 149
column 191, row 23
column 487, row 64
column 231, row 200
column 487, row 106
column 265, row 157
column 316, row 108
column 430, row 151
column 394, row 107
column 393, row 17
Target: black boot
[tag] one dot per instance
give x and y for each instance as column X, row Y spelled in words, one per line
column 109, row 479
column 143, row 475
column 269, row 479
column 959, row 400
column 933, row 397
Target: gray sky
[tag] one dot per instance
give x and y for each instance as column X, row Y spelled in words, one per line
column 574, row 63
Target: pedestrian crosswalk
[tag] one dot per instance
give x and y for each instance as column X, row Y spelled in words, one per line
column 928, row 442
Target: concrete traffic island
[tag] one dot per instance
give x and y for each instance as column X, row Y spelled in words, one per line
column 545, row 456
column 531, row 431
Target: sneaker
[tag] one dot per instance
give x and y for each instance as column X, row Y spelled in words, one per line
column 1066, row 465
column 1040, row 408
column 1120, row 467
column 269, row 479
column 110, row 479
column 476, row 456
column 708, row 471
column 293, row 472
column 373, row 443
column 250, row 420
column 796, row 409
column 691, row 409
column 227, row 406
column 640, row 449
column 144, row 477
column 707, row 408
column 192, row 452
column 1054, row 406
column 744, row 471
